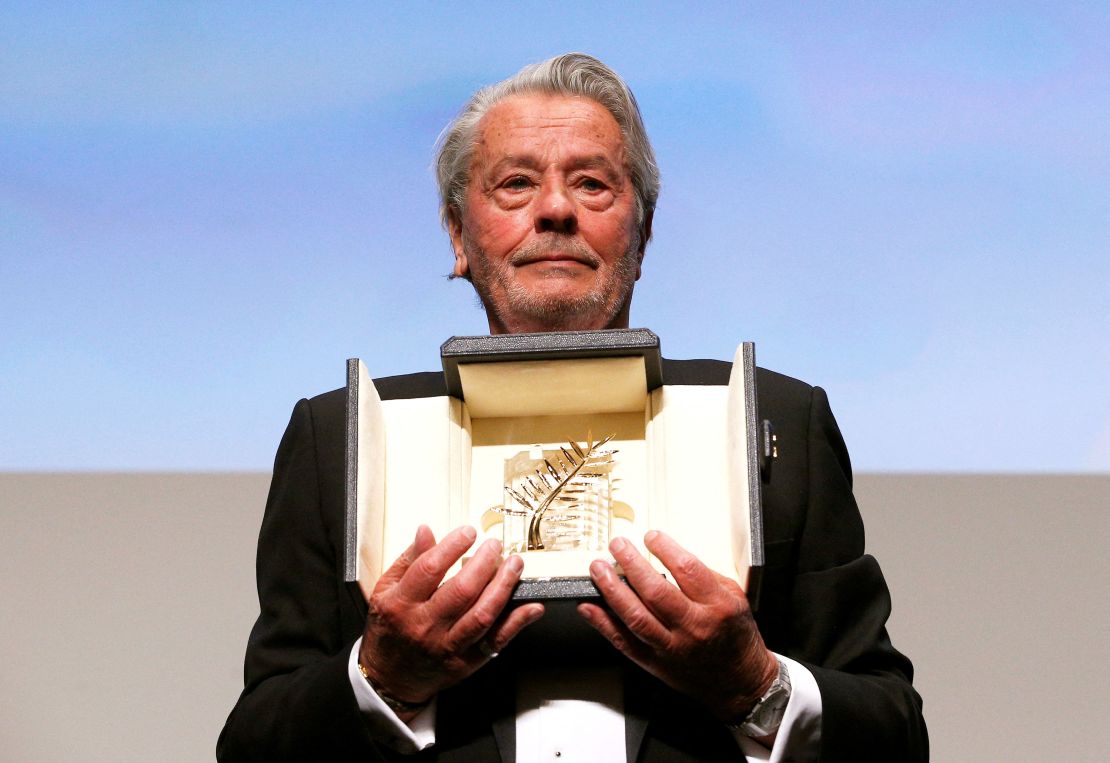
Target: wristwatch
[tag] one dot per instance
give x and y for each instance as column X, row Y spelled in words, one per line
column 766, row 717
column 394, row 704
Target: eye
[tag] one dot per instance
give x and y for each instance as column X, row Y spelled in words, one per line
column 517, row 183
column 591, row 184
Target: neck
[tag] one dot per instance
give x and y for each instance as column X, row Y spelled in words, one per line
column 522, row 325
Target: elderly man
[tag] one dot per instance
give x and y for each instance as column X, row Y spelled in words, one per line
column 548, row 187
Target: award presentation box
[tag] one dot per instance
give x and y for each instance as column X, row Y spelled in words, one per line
column 685, row 459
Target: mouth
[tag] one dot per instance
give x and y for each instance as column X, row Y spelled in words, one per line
column 551, row 258
column 560, row 253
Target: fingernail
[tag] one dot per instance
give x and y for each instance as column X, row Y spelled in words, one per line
column 651, row 536
column 516, row 564
column 598, row 569
column 469, row 533
column 492, row 545
column 617, row 545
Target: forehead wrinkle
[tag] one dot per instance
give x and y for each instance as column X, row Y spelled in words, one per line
column 596, row 161
column 531, row 161
column 517, row 160
column 496, row 127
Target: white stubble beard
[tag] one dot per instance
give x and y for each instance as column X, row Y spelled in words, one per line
column 522, row 306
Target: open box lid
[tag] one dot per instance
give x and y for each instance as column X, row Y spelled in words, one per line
column 552, row 374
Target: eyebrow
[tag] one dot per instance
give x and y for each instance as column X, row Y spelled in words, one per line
column 592, row 162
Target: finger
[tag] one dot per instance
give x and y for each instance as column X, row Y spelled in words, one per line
column 628, row 606
column 697, row 581
column 459, row 593
column 731, row 587
column 422, row 542
column 510, row 627
column 425, row 539
column 480, row 618
column 427, row 570
column 665, row 601
column 615, row 633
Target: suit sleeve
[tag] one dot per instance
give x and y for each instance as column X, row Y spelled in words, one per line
column 838, row 609
column 297, row 703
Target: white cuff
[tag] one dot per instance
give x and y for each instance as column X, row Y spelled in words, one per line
column 799, row 736
column 385, row 726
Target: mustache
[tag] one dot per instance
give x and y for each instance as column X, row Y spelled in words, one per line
column 545, row 247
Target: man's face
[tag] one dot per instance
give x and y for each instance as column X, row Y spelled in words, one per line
column 549, row 234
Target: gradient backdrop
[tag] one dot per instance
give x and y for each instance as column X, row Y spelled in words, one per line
column 206, row 207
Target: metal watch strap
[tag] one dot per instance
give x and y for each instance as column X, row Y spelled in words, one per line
column 766, row 717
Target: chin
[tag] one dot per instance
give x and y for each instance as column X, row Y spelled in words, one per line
column 558, row 283
column 551, row 312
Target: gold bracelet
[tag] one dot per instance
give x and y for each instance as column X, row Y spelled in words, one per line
column 394, row 704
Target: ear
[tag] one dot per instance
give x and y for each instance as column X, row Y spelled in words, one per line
column 645, row 236
column 455, row 231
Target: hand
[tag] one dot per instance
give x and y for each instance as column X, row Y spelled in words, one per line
column 422, row 637
column 698, row 638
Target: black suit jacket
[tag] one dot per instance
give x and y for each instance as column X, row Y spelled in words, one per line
column 824, row 603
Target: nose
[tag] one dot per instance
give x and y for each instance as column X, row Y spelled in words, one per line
column 555, row 208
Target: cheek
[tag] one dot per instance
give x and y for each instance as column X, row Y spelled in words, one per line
column 609, row 238
column 499, row 233
column 611, row 233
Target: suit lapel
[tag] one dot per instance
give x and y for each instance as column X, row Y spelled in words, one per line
column 504, row 735
column 662, row 726
column 476, row 720
column 637, row 710
column 501, row 692
column 635, row 726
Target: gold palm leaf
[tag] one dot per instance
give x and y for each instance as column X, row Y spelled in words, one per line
column 559, row 483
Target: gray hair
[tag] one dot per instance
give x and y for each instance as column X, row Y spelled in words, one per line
column 573, row 74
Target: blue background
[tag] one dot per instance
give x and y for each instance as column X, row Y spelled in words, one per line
column 206, row 207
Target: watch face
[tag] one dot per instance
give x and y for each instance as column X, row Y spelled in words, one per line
column 767, row 715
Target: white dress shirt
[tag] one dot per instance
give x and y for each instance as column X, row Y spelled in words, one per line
column 548, row 703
